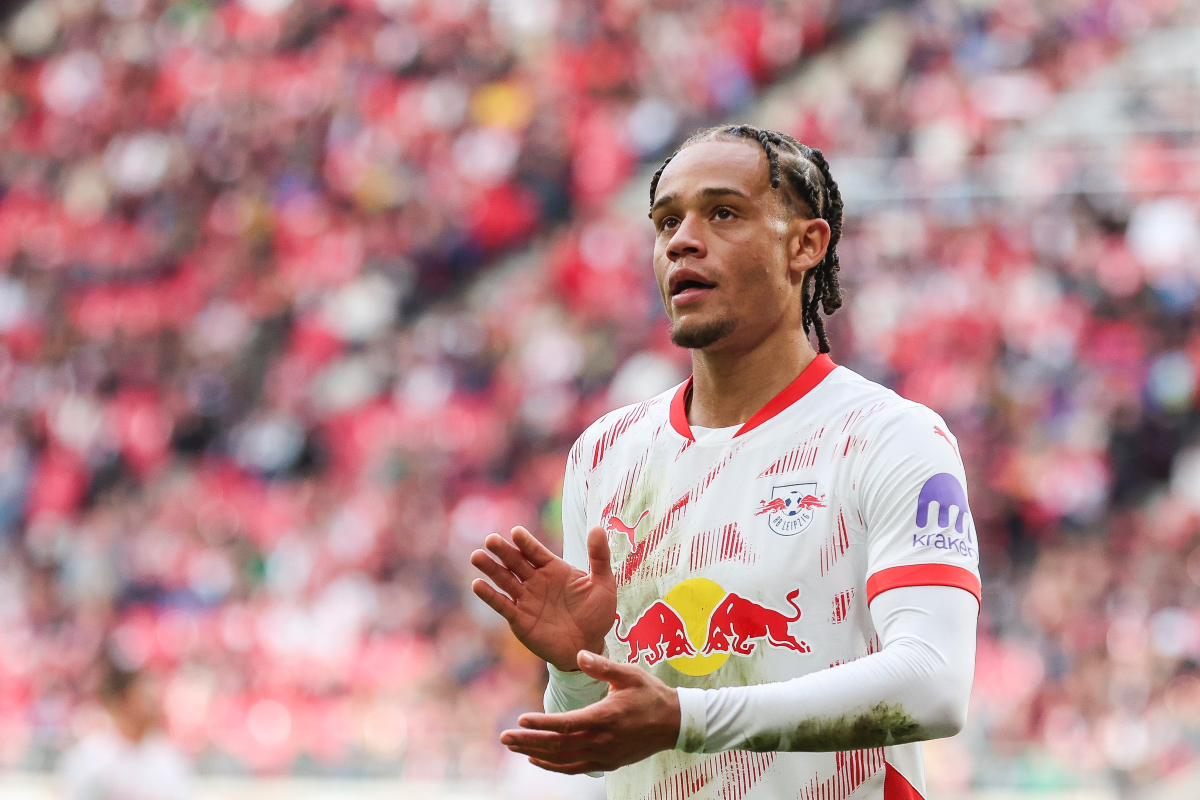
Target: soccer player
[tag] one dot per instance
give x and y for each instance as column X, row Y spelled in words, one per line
column 785, row 546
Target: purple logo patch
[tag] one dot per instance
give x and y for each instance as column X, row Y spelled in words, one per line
column 945, row 490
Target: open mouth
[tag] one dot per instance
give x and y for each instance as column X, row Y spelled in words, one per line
column 686, row 282
column 684, row 285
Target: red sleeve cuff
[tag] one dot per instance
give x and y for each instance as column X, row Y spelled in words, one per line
column 923, row 575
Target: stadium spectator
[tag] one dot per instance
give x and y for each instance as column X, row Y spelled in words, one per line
column 129, row 758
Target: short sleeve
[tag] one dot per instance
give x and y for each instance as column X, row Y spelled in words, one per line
column 912, row 493
column 574, row 519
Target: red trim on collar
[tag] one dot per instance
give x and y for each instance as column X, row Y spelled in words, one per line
column 813, row 374
column 679, row 420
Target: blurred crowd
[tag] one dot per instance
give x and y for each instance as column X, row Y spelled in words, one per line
column 301, row 300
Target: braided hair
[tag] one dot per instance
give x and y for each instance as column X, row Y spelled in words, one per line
column 811, row 190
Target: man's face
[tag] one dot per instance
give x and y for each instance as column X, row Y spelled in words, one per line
column 721, row 252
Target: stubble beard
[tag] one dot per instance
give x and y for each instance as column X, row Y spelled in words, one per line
column 703, row 334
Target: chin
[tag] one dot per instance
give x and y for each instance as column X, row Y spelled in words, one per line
column 702, row 333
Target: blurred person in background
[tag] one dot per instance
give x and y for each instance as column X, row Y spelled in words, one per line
column 130, row 758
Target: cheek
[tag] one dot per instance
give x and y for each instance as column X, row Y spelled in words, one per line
column 661, row 264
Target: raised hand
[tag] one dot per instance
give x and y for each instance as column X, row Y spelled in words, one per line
column 637, row 718
column 554, row 609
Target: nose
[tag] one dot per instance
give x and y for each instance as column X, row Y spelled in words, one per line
column 688, row 240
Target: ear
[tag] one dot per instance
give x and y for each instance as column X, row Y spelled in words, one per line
column 807, row 242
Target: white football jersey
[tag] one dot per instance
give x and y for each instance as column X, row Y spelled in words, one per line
column 752, row 559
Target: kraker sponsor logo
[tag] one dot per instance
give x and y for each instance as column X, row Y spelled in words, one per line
column 791, row 508
column 941, row 541
column 945, row 490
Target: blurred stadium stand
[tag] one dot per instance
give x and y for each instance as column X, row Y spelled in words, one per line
column 302, row 300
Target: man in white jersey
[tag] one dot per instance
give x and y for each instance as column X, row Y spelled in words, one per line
column 785, row 546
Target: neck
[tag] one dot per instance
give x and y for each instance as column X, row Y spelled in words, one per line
column 728, row 386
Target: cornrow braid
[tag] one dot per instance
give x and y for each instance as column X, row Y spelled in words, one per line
column 808, row 181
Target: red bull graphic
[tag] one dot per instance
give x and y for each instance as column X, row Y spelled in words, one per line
column 791, row 508
column 737, row 623
column 615, row 525
column 659, row 632
column 779, row 504
column 698, row 625
column 770, row 506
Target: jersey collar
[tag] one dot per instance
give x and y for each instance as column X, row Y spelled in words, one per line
column 813, row 374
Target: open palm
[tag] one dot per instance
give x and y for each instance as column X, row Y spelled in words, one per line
column 553, row 608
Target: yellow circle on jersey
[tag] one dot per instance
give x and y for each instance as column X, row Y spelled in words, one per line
column 694, row 601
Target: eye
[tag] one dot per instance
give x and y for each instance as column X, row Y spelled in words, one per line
column 668, row 223
column 723, row 213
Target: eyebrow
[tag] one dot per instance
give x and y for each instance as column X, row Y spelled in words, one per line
column 711, row 191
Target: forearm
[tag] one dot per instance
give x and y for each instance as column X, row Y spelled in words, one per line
column 568, row 691
column 917, row 687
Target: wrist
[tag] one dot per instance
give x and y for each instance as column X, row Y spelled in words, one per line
column 693, row 721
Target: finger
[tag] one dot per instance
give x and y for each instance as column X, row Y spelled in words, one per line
column 598, row 554
column 568, row 769
column 566, row 757
column 580, row 721
column 501, row 604
column 502, row 577
column 534, row 551
column 509, row 556
column 548, row 741
column 619, row 676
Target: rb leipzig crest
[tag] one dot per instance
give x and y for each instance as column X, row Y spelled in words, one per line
column 791, row 508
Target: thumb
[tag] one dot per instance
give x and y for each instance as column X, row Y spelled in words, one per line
column 598, row 554
column 619, row 676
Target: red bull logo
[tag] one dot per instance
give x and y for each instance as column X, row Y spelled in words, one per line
column 738, row 623
column 658, row 632
column 698, row 625
column 791, row 508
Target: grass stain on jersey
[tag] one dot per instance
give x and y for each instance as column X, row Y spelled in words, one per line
column 882, row 725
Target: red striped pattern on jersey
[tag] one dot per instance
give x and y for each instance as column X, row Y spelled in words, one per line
column 576, row 454
column 740, row 770
column 610, row 436
column 721, row 544
column 803, row 457
column 629, row 480
column 854, row 441
column 836, row 545
column 854, row 768
column 661, row 562
column 647, row 545
column 686, row 444
column 861, row 414
column 841, row 606
column 625, row 487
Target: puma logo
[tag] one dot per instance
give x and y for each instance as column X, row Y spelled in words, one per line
column 615, row 525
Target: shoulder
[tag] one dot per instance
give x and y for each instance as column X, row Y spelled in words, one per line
column 893, row 436
column 613, row 429
column 880, row 409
